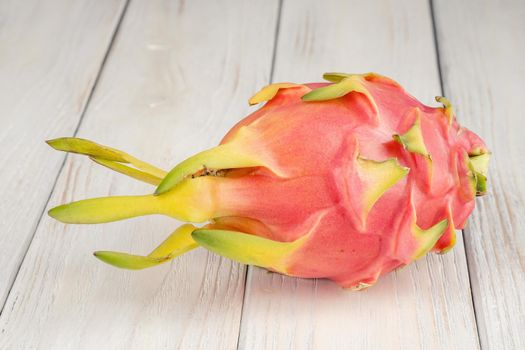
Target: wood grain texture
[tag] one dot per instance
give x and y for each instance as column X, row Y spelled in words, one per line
column 483, row 55
column 426, row 305
column 50, row 55
column 178, row 77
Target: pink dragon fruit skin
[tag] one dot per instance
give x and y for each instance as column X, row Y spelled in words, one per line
column 345, row 180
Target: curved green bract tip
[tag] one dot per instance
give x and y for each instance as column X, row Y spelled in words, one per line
column 178, row 243
column 268, row 92
column 127, row 261
column 447, row 106
column 378, row 177
column 478, row 166
column 86, row 147
column 481, row 184
column 344, row 84
column 247, row 249
column 105, row 209
column 218, row 158
column 110, row 158
column 477, row 151
column 428, row 238
column 330, row 92
column 335, row 77
column 480, row 163
column 412, row 140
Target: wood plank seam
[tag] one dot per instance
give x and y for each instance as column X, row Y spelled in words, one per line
column 442, row 86
column 82, row 114
column 270, row 80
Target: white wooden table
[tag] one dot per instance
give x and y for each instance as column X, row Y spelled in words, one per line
column 163, row 79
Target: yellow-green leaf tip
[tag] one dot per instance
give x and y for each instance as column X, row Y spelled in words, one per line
column 86, row 147
column 246, row 248
column 127, row 261
column 412, row 140
column 335, row 77
column 59, row 213
column 268, row 92
column 378, row 177
column 428, row 238
column 480, row 163
column 105, row 209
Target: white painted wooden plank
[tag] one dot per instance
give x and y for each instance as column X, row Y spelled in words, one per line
column 483, row 55
column 51, row 53
column 426, row 305
column 178, row 77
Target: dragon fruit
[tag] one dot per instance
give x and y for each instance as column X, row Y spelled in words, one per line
column 345, row 180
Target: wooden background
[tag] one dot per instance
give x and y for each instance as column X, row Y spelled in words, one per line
column 163, row 79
